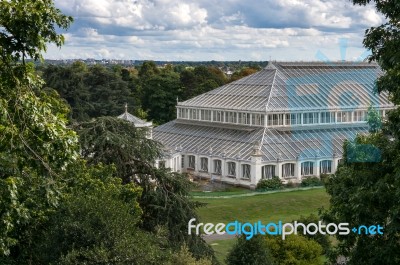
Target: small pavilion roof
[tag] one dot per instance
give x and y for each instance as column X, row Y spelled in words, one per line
column 135, row 120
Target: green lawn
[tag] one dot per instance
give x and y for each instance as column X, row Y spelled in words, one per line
column 285, row 206
column 221, row 248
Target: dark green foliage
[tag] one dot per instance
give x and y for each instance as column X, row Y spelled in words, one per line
column 92, row 91
column 311, row 182
column 96, row 221
column 150, row 92
column 199, row 80
column 165, row 198
column 35, row 145
column 269, row 184
column 374, row 120
column 367, row 194
column 322, row 240
column 27, row 26
column 160, row 94
column 243, row 73
column 110, row 140
column 294, row 250
column 249, row 252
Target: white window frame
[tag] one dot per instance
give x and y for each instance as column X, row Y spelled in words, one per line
column 307, row 168
column 325, row 166
column 204, row 164
column 258, row 119
column 217, row 165
column 268, row 171
column 231, row 169
column 327, row 117
column 218, row 115
column 205, row 115
column 343, row 117
column 275, row 119
column 310, row 118
column 161, row 164
column 360, row 116
column 230, row 117
column 288, row 170
column 246, row 171
column 192, row 162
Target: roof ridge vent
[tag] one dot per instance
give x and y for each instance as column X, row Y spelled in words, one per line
column 270, row 65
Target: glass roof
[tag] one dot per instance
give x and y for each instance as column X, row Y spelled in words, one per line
column 297, row 86
column 234, row 143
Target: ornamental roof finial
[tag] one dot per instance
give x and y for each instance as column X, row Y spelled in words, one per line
column 126, row 107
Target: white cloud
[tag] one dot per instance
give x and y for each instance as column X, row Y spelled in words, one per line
column 204, row 30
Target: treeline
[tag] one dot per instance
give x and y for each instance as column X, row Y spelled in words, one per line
column 151, row 92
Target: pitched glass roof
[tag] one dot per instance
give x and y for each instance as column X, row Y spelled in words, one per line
column 298, row 86
column 290, row 145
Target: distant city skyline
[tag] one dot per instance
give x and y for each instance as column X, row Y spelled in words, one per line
column 176, row 30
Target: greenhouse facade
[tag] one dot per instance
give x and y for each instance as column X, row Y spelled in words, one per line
column 288, row 120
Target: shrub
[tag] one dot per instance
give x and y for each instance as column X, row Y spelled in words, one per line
column 294, row 250
column 249, row 252
column 311, row 182
column 324, row 178
column 321, row 239
column 291, row 185
column 269, row 184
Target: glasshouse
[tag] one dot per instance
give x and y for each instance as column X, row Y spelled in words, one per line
column 288, row 120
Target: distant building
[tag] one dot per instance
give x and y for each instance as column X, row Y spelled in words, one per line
column 288, row 120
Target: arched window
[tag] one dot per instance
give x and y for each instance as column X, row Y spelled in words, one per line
column 204, row 164
column 192, row 162
column 231, row 169
column 268, row 172
column 217, row 167
column 325, row 166
column 246, row 173
column 307, row 168
column 288, row 170
column 161, row 164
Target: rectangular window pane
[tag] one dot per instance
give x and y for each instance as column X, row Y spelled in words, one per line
column 288, row 170
column 307, row 168
column 192, row 162
column 246, row 171
column 217, row 167
column 231, row 169
column 204, row 164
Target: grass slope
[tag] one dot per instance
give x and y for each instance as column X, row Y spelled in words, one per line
column 285, row 206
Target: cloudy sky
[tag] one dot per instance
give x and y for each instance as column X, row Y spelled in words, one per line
column 202, row 30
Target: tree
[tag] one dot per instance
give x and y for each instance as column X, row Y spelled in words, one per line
column 199, row 80
column 365, row 192
column 160, row 93
column 249, row 252
column 294, row 250
column 93, row 91
column 96, row 223
column 35, row 144
column 322, row 240
column 165, row 195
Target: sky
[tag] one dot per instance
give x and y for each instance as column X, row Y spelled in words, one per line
column 225, row 30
